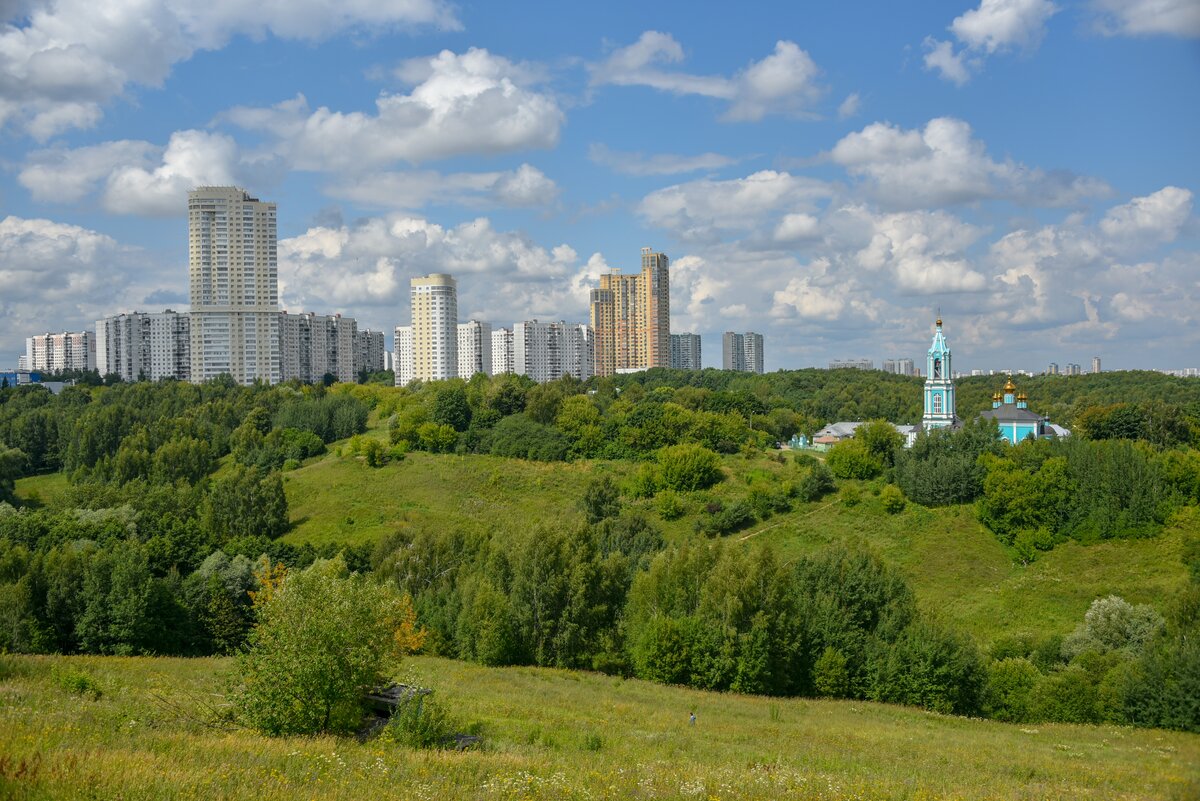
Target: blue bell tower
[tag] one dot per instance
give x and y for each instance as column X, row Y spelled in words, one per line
column 939, row 386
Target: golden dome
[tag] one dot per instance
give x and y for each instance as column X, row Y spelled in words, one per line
column 1010, row 386
column 939, row 322
column 1022, row 396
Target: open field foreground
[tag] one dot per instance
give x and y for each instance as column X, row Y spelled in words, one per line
column 551, row 735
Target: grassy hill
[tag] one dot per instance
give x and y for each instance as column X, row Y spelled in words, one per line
column 958, row 569
column 551, row 735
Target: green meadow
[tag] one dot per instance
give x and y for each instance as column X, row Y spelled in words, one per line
column 142, row 731
column 959, row 570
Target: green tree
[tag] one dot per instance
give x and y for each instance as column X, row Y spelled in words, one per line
column 601, row 499
column 688, row 467
column 12, row 467
column 450, row 406
column 246, row 502
column 325, row 637
column 851, row 459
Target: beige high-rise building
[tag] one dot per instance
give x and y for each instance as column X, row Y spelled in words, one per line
column 70, row 350
column 631, row 317
column 233, row 285
column 434, row 327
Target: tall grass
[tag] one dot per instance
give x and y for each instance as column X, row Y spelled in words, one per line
column 552, row 735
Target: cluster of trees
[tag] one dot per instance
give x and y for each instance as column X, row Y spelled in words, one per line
column 1124, row 663
column 511, row 416
column 1098, row 484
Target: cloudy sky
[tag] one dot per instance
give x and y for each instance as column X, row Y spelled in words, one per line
column 829, row 174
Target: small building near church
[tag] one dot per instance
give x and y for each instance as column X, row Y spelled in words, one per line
column 1010, row 410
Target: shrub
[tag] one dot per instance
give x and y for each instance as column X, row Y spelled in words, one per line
column 325, row 637
column 892, row 499
column 850, row 495
column 420, row 722
column 851, row 459
column 601, row 499
column 645, row 482
column 78, row 683
column 688, row 467
column 1010, row 684
column 670, row 505
column 831, row 674
column 817, row 482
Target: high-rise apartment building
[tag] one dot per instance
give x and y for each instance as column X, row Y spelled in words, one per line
column 898, row 366
column 145, row 346
column 434, row 327
column 370, row 351
column 1095, row 364
column 70, row 350
column 549, row 351
column 631, row 317
column 742, row 352
column 1052, row 369
column 685, row 351
column 312, row 346
column 233, row 285
column 402, row 356
column 502, row 351
column 474, row 349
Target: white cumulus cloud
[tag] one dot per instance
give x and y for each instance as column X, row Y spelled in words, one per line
column 996, row 26
column 784, row 82
column 943, row 163
column 1148, row 17
column 61, row 61
column 470, row 103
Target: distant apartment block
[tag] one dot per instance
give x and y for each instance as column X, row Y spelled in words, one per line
column 402, row 356
column 1095, row 364
column 898, row 366
column 233, row 286
column 1052, row 369
column 312, row 346
column 852, row 364
column 549, row 351
column 370, row 352
column 685, row 351
column 502, row 351
column 1074, row 369
column 434, row 327
column 631, row 317
column 145, row 346
column 742, row 352
column 70, row 350
column 474, row 349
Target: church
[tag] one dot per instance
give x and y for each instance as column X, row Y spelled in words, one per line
column 1010, row 409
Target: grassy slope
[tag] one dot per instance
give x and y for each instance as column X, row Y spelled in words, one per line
column 552, row 735
column 958, row 569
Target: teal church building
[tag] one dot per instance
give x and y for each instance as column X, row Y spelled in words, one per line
column 1010, row 409
column 939, row 385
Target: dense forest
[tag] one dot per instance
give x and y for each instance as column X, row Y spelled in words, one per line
column 174, row 505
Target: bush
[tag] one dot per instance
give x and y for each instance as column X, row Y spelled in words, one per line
column 817, row 482
column 601, row 499
column 1010, row 684
column 892, row 499
column 420, row 722
column 670, row 505
column 688, row 467
column 325, row 637
column 831, row 674
column 78, row 683
column 645, row 482
column 851, row 459
column 850, row 495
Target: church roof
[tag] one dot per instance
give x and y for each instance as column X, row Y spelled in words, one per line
column 1009, row 413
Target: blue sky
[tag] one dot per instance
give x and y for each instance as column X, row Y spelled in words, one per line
column 828, row 174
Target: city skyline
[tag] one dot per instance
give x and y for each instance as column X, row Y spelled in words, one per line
column 828, row 183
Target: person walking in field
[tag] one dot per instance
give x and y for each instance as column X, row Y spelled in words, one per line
column 691, row 718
